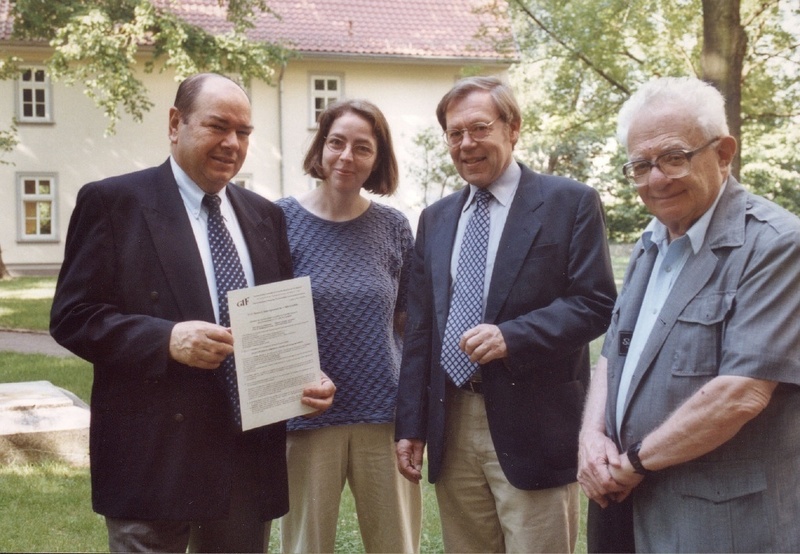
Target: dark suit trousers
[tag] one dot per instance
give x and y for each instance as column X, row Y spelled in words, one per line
column 610, row 529
column 242, row 531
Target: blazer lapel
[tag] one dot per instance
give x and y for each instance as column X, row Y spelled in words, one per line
column 441, row 237
column 692, row 279
column 176, row 246
column 633, row 294
column 259, row 235
column 515, row 243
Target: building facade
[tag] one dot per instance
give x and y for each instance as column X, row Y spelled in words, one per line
column 403, row 56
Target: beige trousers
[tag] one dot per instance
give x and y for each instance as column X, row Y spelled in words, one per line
column 321, row 461
column 480, row 510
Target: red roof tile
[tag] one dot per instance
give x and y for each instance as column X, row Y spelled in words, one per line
column 394, row 28
column 428, row 28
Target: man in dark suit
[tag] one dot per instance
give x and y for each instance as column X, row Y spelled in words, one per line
column 502, row 446
column 137, row 297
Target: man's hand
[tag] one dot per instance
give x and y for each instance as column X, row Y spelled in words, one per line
column 624, row 474
column 483, row 343
column 200, row 344
column 409, row 458
column 596, row 455
column 319, row 397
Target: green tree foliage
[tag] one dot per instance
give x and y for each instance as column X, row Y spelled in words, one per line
column 98, row 42
column 8, row 141
column 433, row 168
column 582, row 59
column 8, row 137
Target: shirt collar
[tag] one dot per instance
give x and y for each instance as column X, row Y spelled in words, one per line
column 503, row 188
column 192, row 194
column 656, row 232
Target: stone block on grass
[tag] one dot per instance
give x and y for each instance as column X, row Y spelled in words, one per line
column 39, row 421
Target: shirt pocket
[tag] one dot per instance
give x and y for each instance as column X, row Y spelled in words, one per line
column 697, row 335
column 721, row 481
column 719, row 501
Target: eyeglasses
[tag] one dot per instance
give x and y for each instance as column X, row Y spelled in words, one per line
column 673, row 164
column 361, row 151
column 476, row 131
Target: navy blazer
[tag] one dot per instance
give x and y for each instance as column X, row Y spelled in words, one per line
column 161, row 435
column 551, row 293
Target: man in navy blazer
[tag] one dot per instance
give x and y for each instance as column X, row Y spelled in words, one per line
column 137, row 298
column 502, row 448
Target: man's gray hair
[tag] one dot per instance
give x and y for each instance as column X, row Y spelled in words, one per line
column 686, row 94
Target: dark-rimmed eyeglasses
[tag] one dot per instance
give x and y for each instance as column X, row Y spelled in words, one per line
column 673, row 164
column 360, row 150
column 477, row 132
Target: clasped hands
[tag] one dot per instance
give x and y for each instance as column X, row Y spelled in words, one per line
column 205, row 345
column 604, row 474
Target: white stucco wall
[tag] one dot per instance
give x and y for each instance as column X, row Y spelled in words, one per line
column 75, row 149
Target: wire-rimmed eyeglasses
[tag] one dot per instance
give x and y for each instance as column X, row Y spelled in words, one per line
column 477, row 132
column 673, row 164
column 360, row 150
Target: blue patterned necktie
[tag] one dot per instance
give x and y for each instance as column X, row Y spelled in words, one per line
column 466, row 306
column 229, row 275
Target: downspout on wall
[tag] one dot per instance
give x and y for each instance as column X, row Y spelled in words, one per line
column 281, row 184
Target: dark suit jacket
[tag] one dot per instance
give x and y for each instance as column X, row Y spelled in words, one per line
column 161, row 434
column 551, row 293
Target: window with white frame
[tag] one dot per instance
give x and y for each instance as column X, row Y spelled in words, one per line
column 37, row 207
column 34, row 97
column 325, row 89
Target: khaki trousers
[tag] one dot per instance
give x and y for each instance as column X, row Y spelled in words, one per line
column 321, row 461
column 480, row 510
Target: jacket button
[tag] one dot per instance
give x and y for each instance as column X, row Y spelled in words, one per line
column 178, row 417
column 154, row 296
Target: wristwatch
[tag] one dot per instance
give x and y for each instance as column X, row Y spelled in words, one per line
column 633, row 457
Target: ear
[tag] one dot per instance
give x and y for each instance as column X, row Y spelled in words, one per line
column 726, row 150
column 174, row 121
column 514, row 127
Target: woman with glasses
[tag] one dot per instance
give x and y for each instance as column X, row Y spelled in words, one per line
column 357, row 253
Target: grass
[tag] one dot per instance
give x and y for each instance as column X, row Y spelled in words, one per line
column 47, row 507
column 70, row 373
column 25, row 303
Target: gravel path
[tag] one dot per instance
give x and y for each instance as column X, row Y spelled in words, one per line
column 31, row 342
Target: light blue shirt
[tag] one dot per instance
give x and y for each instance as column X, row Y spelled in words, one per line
column 503, row 191
column 192, row 196
column 671, row 259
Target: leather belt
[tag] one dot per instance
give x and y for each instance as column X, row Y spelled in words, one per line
column 473, row 386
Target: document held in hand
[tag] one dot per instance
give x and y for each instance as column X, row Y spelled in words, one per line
column 275, row 347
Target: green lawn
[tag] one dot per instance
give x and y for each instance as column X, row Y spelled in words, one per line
column 25, row 302
column 46, row 507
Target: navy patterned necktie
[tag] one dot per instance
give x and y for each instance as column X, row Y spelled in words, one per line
column 229, row 275
column 466, row 306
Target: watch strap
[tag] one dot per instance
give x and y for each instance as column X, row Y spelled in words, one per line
column 633, row 458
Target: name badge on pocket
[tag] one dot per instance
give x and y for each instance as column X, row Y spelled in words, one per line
column 625, row 342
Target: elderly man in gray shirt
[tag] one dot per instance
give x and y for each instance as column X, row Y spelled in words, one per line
column 693, row 415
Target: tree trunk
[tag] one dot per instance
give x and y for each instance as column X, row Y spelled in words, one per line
column 4, row 274
column 722, row 59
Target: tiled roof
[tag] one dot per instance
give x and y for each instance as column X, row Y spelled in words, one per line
column 392, row 28
column 427, row 28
